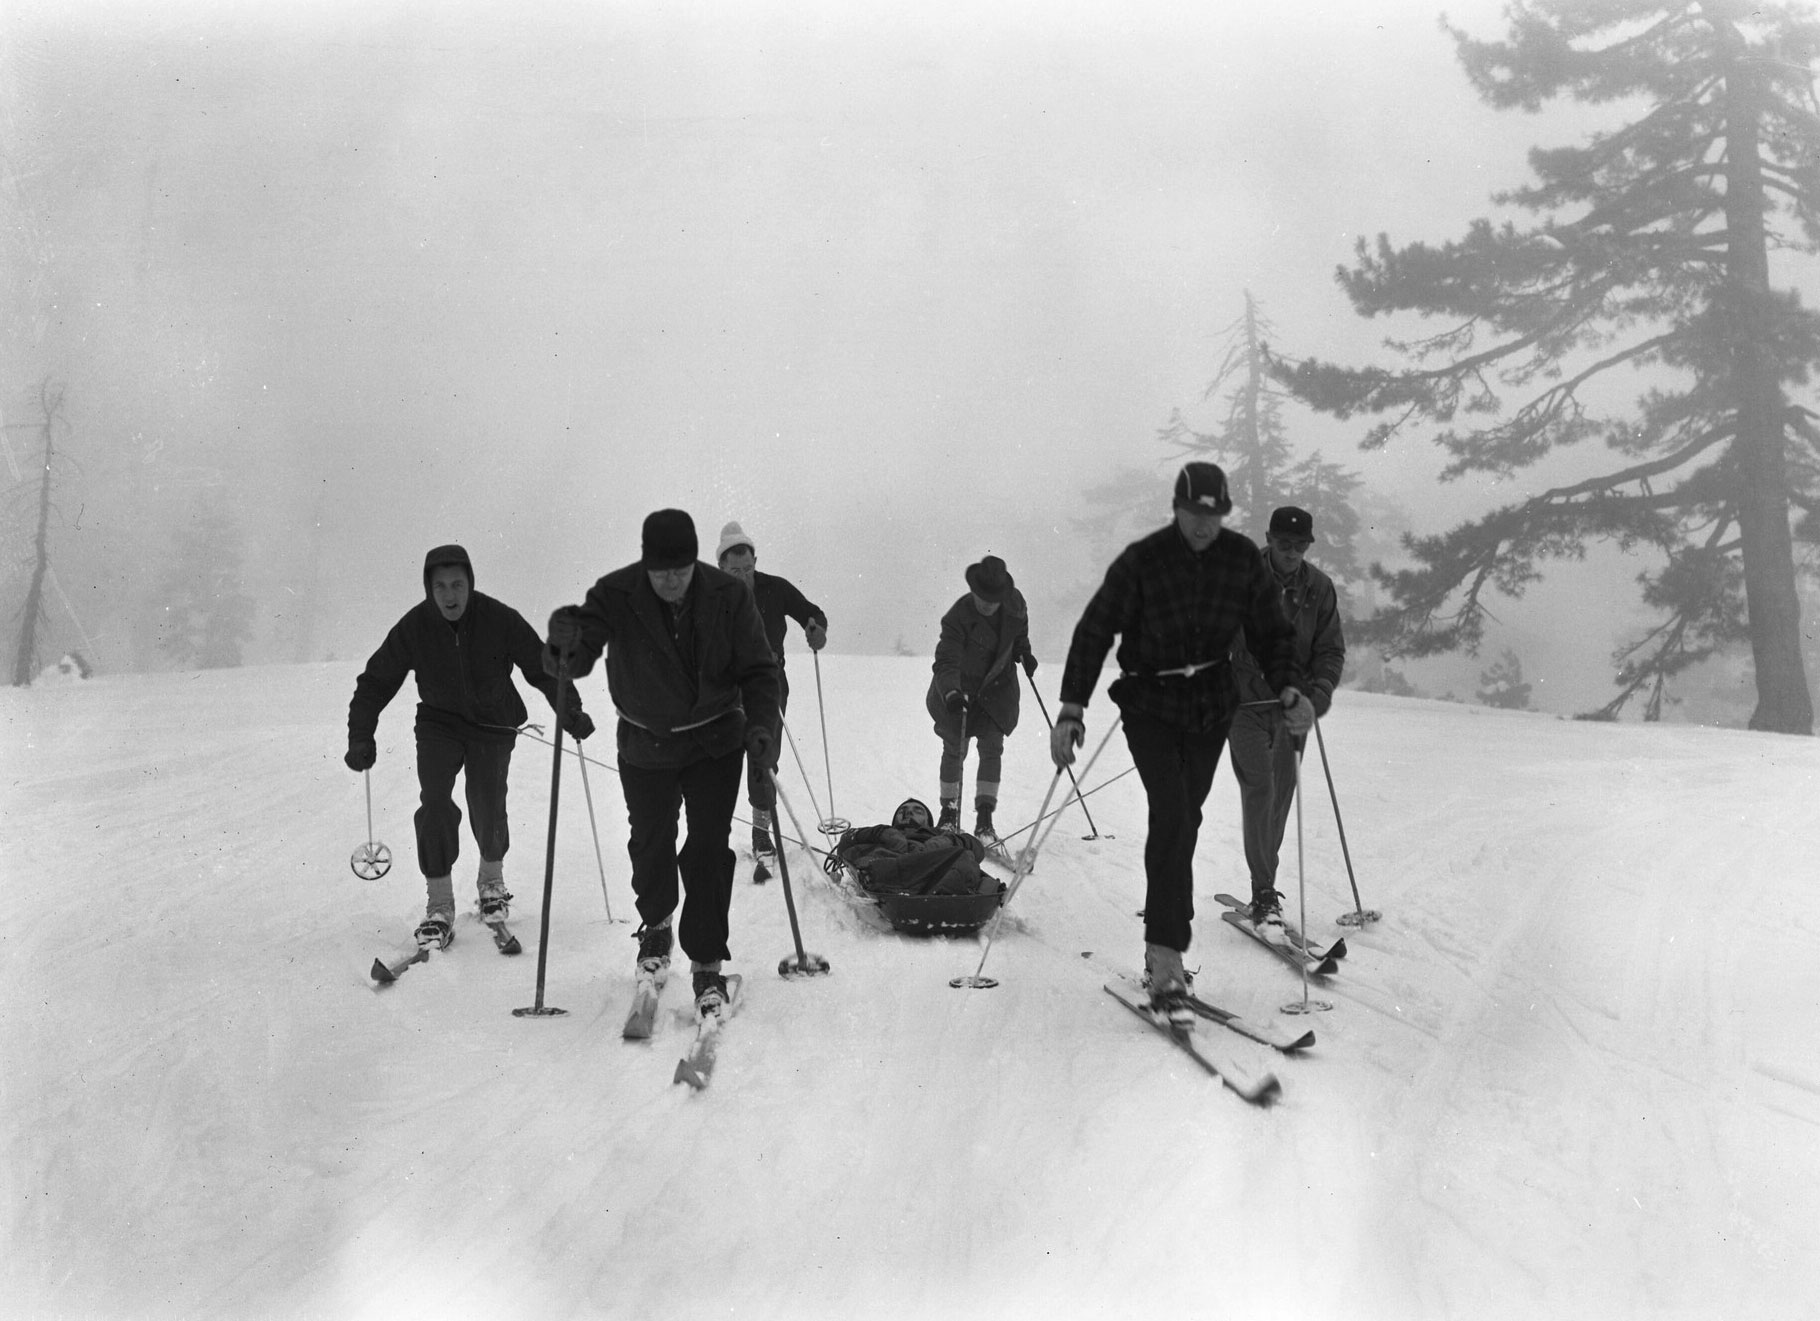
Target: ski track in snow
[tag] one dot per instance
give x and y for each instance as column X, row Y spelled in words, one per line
column 1570, row 1073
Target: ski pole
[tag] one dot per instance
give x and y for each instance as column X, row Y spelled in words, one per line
column 1026, row 863
column 594, row 829
column 800, row 964
column 833, row 825
column 1044, row 708
column 801, row 770
column 1305, row 1006
column 1360, row 914
column 370, row 860
column 539, row 1009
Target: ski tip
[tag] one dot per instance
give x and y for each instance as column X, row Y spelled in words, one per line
column 1337, row 950
column 686, row 1072
column 1264, row 1091
column 1302, row 1042
column 381, row 974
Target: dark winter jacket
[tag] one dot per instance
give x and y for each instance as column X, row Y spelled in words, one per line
column 778, row 602
column 679, row 703
column 1174, row 609
column 1313, row 607
column 464, row 669
column 978, row 655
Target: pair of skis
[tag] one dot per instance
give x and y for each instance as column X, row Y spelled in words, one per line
column 1281, row 941
column 384, row 974
column 1257, row 1088
column 696, row 1067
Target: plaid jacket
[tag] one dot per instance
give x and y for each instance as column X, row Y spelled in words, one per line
column 1173, row 609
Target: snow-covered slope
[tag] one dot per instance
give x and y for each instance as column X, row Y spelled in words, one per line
column 1572, row 1072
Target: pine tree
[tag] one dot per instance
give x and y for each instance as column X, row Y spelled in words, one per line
column 1649, row 250
column 206, row 614
column 1502, row 685
column 1252, row 444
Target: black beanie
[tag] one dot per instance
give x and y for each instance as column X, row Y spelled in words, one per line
column 669, row 540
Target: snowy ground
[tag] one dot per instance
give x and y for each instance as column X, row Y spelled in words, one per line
column 1551, row 1083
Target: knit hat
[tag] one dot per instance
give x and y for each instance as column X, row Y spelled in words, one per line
column 1292, row 524
column 669, row 540
column 1202, row 487
column 989, row 579
column 732, row 536
column 912, row 812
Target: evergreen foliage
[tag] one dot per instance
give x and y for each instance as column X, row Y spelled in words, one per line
column 1502, row 685
column 1648, row 250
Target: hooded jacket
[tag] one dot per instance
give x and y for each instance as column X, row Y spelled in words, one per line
column 464, row 669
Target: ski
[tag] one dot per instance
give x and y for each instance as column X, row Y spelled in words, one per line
column 1225, row 1018
column 697, row 1066
column 503, row 938
column 1257, row 1089
column 1320, row 965
column 386, row 973
column 643, row 1014
column 1337, row 950
column 760, row 872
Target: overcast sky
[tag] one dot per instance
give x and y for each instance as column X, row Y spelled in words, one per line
column 872, row 278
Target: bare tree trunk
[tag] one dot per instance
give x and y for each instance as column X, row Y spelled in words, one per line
column 1784, row 704
column 25, row 662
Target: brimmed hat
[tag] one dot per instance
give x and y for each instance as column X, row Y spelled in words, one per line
column 989, row 579
column 1292, row 524
column 669, row 540
column 733, row 536
column 1202, row 487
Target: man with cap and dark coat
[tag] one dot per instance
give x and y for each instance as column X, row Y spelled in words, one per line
column 695, row 685
column 463, row 646
column 1264, row 750
column 778, row 601
column 973, row 694
column 1175, row 600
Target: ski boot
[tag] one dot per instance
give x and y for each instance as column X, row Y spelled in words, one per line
column 982, row 825
column 950, row 820
column 1266, row 912
column 1167, row 982
column 654, row 950
column 710, row 991
column 436, row 931
column 495, row 903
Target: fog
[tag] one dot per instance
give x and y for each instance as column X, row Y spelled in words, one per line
column 891, row 285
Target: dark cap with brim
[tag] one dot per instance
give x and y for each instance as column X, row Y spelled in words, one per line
column 669, row 540
column 1202, row 488
column 989, row 579
column 1292, row 524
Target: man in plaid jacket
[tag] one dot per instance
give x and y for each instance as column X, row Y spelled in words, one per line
column 1176, row 600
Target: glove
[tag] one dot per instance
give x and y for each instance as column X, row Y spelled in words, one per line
column 758, row 743
column 361, row 755
column 579, row 726
column 1030, row 665
column 1299, row 711
column 956, row 702
column 817, row 635
column 1322, row 697
column 1069, row 732
column 565, row 629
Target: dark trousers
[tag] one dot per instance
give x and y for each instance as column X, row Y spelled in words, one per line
column 705, row 792
column 1264, row 755
column 760, row 792
column 1177, row 770
column 442, row 754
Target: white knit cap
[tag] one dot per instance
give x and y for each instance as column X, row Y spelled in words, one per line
column 734, row 535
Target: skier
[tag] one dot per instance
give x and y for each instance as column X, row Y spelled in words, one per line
column 1264, row 750
column 463, row 646
column 973, row 694
column 778, row 602
column 1177, row 598
column 695, row 684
